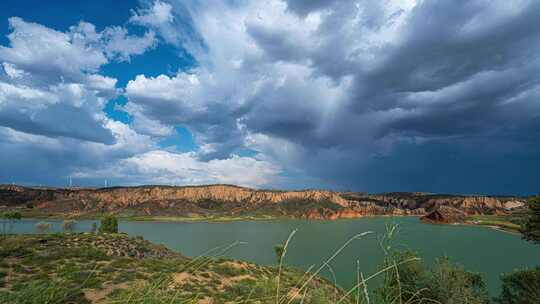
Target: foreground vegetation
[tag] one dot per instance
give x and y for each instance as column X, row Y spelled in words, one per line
column 116, row 268
column 110, row 267
column 510, row 223
column 38, row 214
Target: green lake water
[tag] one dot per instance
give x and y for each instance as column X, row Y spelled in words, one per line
column 479, row 249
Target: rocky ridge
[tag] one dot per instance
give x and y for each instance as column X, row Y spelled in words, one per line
column 228, row 200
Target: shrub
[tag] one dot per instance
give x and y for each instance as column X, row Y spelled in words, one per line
column 9, row 218
column 409, row 282
column 279, row 250
column 531, row 226
column 451, row 284
column 93, row 228
column 12, row 215
column 109, row 224
column 520, row 287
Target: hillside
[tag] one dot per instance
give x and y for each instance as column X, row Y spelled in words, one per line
column 234, row 201
column 116, row 268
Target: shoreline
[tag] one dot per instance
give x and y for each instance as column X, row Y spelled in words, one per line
column 209, row 219
column 501, row 228
column 504, row 226
column 494, row 222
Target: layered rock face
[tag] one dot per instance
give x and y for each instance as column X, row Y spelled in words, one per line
column 446, row 215
column 227, row 200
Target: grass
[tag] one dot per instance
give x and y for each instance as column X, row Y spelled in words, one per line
column 206, row 218
column 503, row 222
column 74, row 268
column 42, row 292
column 116, row 268
column 157, row 218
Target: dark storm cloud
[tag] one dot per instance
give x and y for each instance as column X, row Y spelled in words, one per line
column 440, row 96
column 455, row 67
column 458, row 75
column 277, row 44
column 444, row 44
column 305, row 7
column 287, row 112
column 463, row 75
column 445, row 167
column 370, row 94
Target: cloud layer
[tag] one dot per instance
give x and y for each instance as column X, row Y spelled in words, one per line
column 388, row 95
column 53, row 124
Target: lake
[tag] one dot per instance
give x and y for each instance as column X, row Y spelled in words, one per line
column 479, row 249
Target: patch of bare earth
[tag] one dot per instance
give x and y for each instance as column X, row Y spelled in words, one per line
column 229, row 281
column 98, row 295
column 294, row 293
column 206, row 300
column 182, row 277
column 234, row 264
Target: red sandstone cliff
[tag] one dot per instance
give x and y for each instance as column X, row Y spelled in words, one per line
column 233, row 200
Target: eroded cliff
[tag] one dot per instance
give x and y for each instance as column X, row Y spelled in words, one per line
column 227, row 200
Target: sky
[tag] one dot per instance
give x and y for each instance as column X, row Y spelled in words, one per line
column 374, row 96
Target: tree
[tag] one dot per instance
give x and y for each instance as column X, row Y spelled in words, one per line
column 531, row 226
column 109, row 224
column 69, row 225
column 9, row 218
column 43, row 227
column 520, row 287
column 279, row 250
column 523, row 286
column 452, row 284
column 408, row 281
column 93, row 228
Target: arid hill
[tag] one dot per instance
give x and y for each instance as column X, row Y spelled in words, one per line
column 227, row 200
column 87, row 268
column 445, row 215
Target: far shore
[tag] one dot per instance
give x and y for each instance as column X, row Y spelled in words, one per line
column 493, row 222
column 157, row 218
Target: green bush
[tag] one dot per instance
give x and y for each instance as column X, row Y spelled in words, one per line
column 279, row 250
column 109, row 224
column 444, row 283
column 451, row 284
column 93, row 228
column 9, row 218
column 531, row 226
column 520, row 287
